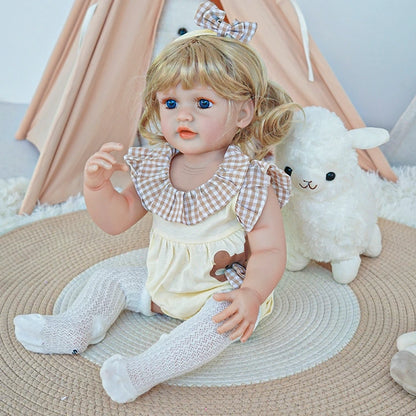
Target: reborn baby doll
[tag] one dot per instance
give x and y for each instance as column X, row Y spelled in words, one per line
column 211, row 114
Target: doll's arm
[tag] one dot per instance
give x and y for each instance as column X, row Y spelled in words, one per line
column 265, row 268
column 112, row 211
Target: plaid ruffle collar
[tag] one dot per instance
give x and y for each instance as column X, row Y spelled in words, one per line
column 150, row 174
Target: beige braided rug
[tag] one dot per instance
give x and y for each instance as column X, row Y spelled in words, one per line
column 325, row 350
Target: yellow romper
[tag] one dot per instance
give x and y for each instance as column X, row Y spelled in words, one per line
column 190, row 228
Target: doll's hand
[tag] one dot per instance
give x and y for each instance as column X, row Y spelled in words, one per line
column 241, row 315
column 101, row 165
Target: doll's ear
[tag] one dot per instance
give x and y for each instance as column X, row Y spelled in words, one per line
column 246, row 114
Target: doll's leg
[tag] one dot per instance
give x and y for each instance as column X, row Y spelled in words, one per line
column 189, row 346
column 87, row 320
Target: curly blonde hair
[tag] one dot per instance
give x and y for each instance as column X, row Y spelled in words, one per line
column 235, row 72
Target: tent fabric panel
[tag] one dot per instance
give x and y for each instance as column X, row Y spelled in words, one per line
column 54, row 65
column 101, row 101
column 55, row 101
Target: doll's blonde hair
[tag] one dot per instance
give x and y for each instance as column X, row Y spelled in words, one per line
column 234, row 71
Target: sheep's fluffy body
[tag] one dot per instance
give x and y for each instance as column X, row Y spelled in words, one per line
column 330, row 231
column 328, row 220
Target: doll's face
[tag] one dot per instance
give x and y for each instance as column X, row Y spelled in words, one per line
column 198, row 120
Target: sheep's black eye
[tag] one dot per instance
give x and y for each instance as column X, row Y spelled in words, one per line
column 288, row 170
column 182, row 31
column 330, row 176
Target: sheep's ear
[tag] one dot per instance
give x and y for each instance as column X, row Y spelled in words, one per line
column 367, row 137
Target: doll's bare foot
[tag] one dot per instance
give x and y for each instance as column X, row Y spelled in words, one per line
column 116, row 380
column 403, row 370
column 57, row 334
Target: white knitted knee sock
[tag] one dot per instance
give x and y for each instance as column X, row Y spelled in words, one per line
column 189, row 346
column 87, row 320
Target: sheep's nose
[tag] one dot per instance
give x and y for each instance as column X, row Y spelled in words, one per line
column 308, row 184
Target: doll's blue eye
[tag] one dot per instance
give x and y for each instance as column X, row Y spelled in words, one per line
column 171, row 104
column 204, row 103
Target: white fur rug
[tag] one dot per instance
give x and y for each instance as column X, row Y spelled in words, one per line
column 395, row 201
column 12, row 192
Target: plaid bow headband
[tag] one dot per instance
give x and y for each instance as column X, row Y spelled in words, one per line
column 209, row 16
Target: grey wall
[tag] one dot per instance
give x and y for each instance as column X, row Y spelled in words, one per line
column 371, row 47
column 28, row 32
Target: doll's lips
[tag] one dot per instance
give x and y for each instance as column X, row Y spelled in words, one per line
column 186, row 133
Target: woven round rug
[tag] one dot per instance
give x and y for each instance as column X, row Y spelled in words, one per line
column 323, row 368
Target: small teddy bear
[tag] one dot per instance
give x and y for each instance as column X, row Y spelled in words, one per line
column 331, row 216
column 403, row 363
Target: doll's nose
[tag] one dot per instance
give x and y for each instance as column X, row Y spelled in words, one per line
column 185, row 114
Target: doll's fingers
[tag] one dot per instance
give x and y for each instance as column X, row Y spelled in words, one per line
column 108, row 157
column 226, row 313
column 103, row 164
column 221, row 296
column 248, row 332
column 107, row 161
column 239, row 331
column 92, row 168
column 230, row 324
column 121, row 166
column 111, row 147
column 94, row 163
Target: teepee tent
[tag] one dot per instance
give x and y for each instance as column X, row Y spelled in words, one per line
column 90, row 91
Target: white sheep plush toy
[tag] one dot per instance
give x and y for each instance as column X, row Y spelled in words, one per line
column 331, row 216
